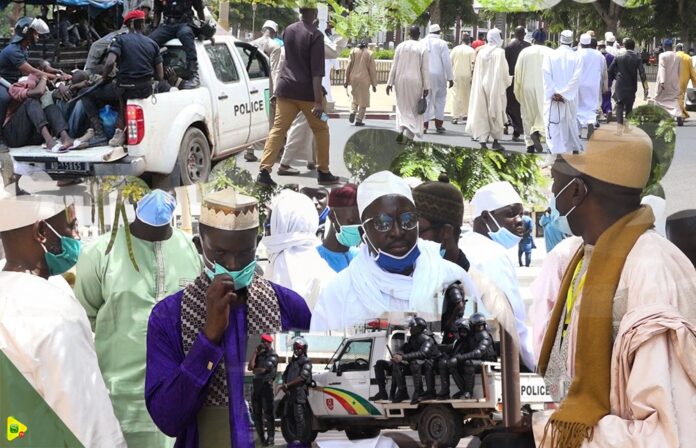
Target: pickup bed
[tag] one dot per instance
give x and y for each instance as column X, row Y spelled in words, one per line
column 339, row 397
column 175, row 137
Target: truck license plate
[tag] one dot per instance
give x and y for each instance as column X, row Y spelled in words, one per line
column 80, row 167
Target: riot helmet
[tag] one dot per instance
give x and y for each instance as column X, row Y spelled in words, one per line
column 478, row 322
column 417, row 325
column 25, row 25
column 299, row 346
column 463, row 327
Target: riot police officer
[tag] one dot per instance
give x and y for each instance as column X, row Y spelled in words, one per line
column 420, row 361
column 296, row 381
column 463, row 366
column 461, row 346
column 264, row 364
column 177, row 24
column 452, row 311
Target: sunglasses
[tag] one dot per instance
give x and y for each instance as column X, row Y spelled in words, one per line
column 384, row 223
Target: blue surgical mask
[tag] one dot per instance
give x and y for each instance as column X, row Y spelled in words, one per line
column 561, row 222
column 443, row 251
column 349, row 235
column 503, row 236
column 156, row 208
column 393, row 264
column 67, row 258
column 241, row 278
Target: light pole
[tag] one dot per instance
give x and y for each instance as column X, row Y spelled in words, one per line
column 253, row 18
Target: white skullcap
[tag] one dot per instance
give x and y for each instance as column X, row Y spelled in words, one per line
column 494, row 196
column 609, row 36
column 434, row 28
column 270, row 24
column 567, row 37
column 585, row 39
column 229, row 210
column 384, row 183
column 23, row 211
column 658, row 206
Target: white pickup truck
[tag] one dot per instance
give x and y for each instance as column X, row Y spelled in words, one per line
column 339, row 397
column 174, row 137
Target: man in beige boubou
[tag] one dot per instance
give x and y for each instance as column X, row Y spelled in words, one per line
column 619, row 347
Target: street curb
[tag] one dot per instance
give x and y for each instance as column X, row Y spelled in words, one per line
column 374, row 116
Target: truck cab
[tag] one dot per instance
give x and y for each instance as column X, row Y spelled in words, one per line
column 175, row 137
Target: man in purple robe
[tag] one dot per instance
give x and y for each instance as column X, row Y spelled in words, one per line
column 197, row 338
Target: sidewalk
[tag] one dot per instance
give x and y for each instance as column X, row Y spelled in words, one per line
column 382, row 106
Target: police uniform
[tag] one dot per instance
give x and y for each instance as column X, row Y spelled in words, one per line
column 420, row 361
column 453, row 309
column 463, row 365
column 176, row 24
column 11, row 58
column 299, row 367
column 262, row 394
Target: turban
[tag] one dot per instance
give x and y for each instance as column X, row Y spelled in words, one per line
column 384, row 183
column 494, row 196
column 440, row 202
column 345, row 196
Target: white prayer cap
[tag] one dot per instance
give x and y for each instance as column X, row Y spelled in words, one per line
column 23, row 211
column 434, row 28
column 658, row 207
column 609, row 37
column 270, row 24
column 585, row 39
column 567, row 37
column 494, row 196
column 229, row 210
column 384, row 183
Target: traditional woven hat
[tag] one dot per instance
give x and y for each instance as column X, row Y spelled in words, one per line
column 440, row 202
column 229, row 210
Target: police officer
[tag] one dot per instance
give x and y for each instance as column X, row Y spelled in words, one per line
column 264, row 364
column 14, row 59
column 453, row 310
column 381, row 368
column 296, row 380
column 139, row 61
column 177, row 24
column 420, row 360
column 463, row 365
column 462, row 330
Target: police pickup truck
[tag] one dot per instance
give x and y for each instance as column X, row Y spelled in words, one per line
column 174, row 137
column 339, row 399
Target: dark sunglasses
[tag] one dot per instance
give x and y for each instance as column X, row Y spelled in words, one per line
column 384, row 223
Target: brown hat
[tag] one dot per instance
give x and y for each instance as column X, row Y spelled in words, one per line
column 624, row 160
column 440, row 202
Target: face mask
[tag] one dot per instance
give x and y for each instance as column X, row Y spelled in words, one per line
column 66, row 259
column 443, row 251
column 156, row 208
column 503, row 236
column 396, row 265
column 561, row 222
column 349, row 235
column 242, row 278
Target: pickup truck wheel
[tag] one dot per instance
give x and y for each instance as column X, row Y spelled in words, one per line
column 194, row 162
column 362, row 433
column 441, row 425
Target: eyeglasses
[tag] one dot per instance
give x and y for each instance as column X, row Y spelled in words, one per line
column 384, row 223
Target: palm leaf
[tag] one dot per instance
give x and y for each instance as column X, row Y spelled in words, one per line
column 114, row 226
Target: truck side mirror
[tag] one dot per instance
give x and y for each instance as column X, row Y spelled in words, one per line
column 337, row 368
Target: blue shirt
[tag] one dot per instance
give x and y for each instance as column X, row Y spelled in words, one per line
column 552, row 234
column 11, row 58
column 337, row 260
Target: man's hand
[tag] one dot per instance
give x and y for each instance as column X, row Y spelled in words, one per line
column 425, row 93
column 64, row 92
column 318, row 109
column 171, row 76
column 558, row 97
column 397, row 358
column 65, row 77
column 645, row 95
column 345, row 84
column 284, row 388
column 451, row 83
column 374, row 89
column 389, row 89
column 219, row 297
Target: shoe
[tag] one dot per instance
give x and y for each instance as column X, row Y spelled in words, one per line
column 250, row 157
column 497, row 146
column 425, row 131
column 327, row 178
column 680, row 121
column 443, row 396
column 455, row 121
column 192, row 83
column 359, row 123
column 264, row 178
column 516, row 137
column 118, row 139
column 400, row 396
column 351, row 117
column 416, row 398
column 311, row 166
column 531, row 150
column 380, row 396
column 287, row 170
column 536, row 140
column 427, row 396
column 440, row 130
column 458, row 395
column 270, row 441
column 467, row 396
column 400, row 139
column 484, row 146
column 609, row 117
column 590, row 130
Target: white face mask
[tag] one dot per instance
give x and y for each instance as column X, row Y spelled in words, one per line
column 561, row 222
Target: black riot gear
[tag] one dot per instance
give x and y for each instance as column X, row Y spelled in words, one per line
column 464, row 363
column 296, row 380
column 417, row 325
column 477, row 320
column 299, row 346
column 264, row 364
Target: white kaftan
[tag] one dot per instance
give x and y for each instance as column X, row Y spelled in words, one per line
column 562, row 69
column 529, row 89
column 410, row 76
column 462, row 58
column 594, row 65
column 655, row 276
column 488, row 94
column 668, row 83
column 45, row 333
column 440, row 73
column 491, row 259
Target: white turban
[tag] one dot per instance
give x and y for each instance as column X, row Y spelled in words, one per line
column 609, row 37
column 270, row 24
column 494, row 38
column 434, row 28
column 585, row 39
column 494, row 196
column 384, row 183
column 567, row 37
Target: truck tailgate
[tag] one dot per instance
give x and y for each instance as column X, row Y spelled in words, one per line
column 85, row 162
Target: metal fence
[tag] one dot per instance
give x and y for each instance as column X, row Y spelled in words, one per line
column 338, row 77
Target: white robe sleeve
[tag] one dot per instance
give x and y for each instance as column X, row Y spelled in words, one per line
column 570, row 90
column 549, row 86
column 395, row 63
column 447, row 63
column 425, row 69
